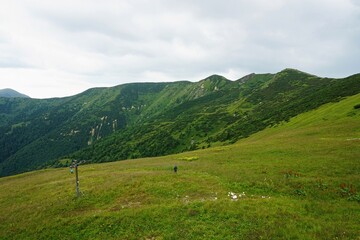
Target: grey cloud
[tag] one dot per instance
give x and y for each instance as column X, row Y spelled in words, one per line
column 13, row 63
column 116, row 41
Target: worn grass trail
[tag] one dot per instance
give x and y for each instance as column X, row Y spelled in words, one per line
column 298, row 180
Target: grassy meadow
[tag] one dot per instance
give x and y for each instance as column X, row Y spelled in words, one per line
column 297, row 180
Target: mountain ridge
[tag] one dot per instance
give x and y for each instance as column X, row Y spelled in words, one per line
column 152, row 119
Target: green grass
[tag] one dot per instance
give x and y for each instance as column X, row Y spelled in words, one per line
column 295, row 178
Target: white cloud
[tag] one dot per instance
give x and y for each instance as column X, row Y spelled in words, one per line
column 69, row 46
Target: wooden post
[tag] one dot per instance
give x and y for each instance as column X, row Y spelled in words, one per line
column 77, row 180
column 75, row 164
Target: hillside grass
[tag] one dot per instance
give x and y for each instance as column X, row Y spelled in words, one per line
column 298, row 180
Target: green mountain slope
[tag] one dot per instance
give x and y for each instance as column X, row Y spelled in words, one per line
column 296, row 180
column 36, row 131
column 224, row 116
column 153, row 119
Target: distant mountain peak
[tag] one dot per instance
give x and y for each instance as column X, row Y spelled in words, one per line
column 11, row 93
column 215, row 77
column 293, row 70
column 214, row 83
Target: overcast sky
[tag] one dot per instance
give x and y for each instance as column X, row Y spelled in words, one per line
column 60, row 48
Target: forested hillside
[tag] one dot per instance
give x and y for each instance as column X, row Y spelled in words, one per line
column 152, row 119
